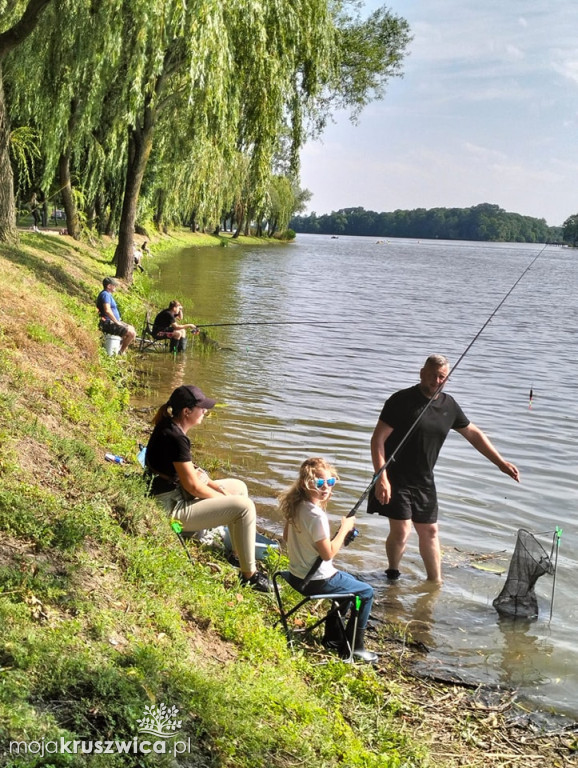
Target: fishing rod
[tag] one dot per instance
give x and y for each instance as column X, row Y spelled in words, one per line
column 177, row 527
column 420, row 415
column 269, row 322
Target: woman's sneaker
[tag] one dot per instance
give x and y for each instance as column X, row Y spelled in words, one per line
column 258, row 581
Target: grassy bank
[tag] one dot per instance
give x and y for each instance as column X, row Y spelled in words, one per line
column 101, row 613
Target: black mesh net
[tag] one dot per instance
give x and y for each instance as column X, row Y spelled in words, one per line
column 529, row 561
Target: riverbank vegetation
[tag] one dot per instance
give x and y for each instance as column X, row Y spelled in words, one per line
column 163, row 112
column 480, row 222
column 103, row 615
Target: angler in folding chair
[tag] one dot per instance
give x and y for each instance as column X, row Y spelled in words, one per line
column 147, row 340
column 168, row 325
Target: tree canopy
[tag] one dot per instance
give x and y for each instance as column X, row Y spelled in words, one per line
column 570, row 230
column 183, row 111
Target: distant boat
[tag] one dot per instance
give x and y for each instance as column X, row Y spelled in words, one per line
column 334, row 237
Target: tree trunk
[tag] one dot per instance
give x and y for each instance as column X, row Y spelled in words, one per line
column 159, row 209
column 109, row 228
column 72, row 220
column 10, row 39
column 113, row 206
column 99, row 213
column 8, row 231
column 139, row 149
column 240, row 218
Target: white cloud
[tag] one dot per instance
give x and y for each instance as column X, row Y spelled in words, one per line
column 484, row 153
column 514, row 52
column 568, row 69
column 485, row 113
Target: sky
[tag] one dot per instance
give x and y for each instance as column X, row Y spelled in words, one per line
column 486, row 112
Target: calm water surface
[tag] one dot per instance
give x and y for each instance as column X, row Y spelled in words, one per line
column 377, row 310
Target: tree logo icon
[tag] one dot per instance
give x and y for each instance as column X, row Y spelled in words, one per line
column 160, row 721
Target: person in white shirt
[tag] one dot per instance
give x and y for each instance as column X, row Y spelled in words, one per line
column 308, row 538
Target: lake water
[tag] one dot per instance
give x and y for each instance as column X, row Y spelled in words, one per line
column 376, row 310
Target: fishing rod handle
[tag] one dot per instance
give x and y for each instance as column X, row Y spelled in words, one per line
column 350, row 536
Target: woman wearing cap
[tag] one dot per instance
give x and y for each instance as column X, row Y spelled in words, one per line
column 188, row 493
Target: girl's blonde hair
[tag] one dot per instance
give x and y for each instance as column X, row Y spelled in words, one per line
column 298, row 491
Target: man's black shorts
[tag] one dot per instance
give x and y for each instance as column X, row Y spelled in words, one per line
column 409, row 503
column 115, row 329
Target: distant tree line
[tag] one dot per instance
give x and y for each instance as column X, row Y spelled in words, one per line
column 480, row 222
column 570, row 228
column 163, row 112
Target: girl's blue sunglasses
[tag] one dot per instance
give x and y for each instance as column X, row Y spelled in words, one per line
column 320, row 482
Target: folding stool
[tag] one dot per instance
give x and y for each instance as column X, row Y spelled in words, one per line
column 335, row 610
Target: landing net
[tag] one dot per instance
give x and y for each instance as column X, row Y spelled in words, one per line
column 529, row 561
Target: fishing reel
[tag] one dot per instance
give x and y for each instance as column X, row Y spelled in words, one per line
column 350, row 536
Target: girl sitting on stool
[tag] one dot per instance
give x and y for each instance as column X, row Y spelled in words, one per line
column 307, row 536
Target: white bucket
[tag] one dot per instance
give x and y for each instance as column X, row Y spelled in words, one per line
column 112, row 344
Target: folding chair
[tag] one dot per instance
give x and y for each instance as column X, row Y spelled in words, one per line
column 148, row 341
column 336, row 611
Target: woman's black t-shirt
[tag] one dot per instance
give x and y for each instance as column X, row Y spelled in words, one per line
column 168, row 443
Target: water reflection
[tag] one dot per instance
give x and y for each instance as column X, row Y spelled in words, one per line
column 412, row 609
column 520, row 652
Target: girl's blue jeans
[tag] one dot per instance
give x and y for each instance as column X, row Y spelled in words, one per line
column 344, row 583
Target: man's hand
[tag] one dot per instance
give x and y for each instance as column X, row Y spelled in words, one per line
column 511, row 470
column 383, row 489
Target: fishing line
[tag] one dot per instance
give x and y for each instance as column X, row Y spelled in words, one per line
column 206, row 339
column 420, row 415
column 269, row 322
column 441, row 386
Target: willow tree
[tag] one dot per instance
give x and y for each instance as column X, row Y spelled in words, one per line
column 20, row 20
column 60, row 79
column 193, row 175
column 362, row 56
column 236, row 63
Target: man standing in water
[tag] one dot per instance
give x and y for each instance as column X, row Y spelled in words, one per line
column 406, row 492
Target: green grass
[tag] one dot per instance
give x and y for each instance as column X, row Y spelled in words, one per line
column 101, row 612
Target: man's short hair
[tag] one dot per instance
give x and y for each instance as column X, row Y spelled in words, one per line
column 437, row 361
column 108, row 281
column 174, row 304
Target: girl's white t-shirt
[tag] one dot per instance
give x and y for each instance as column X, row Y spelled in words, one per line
column 309, row 526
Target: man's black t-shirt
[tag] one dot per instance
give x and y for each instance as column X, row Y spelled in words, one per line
column 163, row 321
column 414, row 463
column 168, row 443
